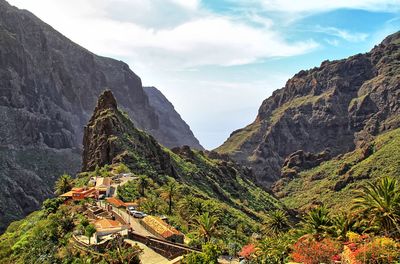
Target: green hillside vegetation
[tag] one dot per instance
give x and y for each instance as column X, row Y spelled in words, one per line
column 237, row 138
column 335, row 182
column 45, row 236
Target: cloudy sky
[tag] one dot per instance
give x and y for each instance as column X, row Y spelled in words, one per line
column 217, row 60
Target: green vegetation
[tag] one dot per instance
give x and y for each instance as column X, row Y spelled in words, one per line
column 237, row 138
column 63, row 184
column 333, row 183
column 324, row 237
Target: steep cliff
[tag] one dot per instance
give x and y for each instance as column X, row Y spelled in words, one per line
column 331, row 109
column 170, row 119
column 48, row 90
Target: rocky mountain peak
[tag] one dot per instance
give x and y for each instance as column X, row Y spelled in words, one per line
column 106, row 101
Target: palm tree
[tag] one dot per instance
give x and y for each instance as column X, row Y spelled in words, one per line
column 277, row 222
column 143, row 183
column 169, row 192
column 318, row 221
column 207, row 225
column 343, row 223
column 63, row 184
column 89, row 231
column 381, row 203
column 151, row 205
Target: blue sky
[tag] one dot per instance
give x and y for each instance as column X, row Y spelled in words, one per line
column 216, row 61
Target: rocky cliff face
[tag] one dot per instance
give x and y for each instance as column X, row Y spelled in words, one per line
column 110, row 137
column 335, row 107
column 171, row 120
column 48, row 90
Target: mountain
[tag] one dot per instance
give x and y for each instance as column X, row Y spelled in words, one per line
column 170, row 119
column 111, row 138
column 48, row 90
column 321, row 113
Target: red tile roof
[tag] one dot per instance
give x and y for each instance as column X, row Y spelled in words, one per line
column 115, row 201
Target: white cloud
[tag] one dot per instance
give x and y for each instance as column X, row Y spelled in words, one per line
column 190, row 4
column 344, row 34
column 313, row 6
column 202, row 39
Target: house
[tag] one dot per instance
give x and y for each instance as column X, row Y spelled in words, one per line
column 115, row 202
column 81, row 193
column 103, row 185
column 105, row 227
column 161, row 229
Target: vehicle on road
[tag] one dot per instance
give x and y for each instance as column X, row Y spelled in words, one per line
column 138, row 214
column 131, row 210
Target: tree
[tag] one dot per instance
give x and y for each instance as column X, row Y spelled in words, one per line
column 209, row 255
column 207, row 226
column 381, row 203
column 151, row 205
column 343, row 223
column 51, row 205
column 169, row 192
column 143, row 183
column 277, row 222
column 90, row 230
column 63, row 184
column 318, row 221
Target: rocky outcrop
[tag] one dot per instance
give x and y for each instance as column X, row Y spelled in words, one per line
column 180, row 133
column 48, row 90
column 110, row 137
column 339, row 106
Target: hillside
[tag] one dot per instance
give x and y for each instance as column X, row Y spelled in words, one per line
column 334, row 182
column 326, row 111
column 111, row 138
column 48, row 90
column 207, row 185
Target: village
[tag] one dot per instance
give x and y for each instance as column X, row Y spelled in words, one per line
column 112, row 218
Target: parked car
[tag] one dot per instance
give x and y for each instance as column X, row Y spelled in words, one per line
column 138, row 214
column 131, row 210
column 102, row 196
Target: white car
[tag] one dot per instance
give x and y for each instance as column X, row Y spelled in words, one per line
column 131, row 210
column 138, row 214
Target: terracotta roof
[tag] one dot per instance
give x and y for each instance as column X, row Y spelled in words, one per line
column 67, row 194
column 115, row 201
column 131, row 204
column 160, row 227
column 107, row 224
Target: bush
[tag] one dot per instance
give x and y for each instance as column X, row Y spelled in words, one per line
column 307, row 250
column 380, row 250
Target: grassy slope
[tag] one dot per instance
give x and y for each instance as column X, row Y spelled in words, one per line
column 318, row 183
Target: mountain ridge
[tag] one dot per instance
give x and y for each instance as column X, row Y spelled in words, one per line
column 335, row 108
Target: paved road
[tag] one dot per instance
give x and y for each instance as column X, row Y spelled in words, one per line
column 124, row 180
column 133, row 222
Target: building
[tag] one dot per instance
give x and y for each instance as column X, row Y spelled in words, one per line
column 105, row 227
column 103, row 185
column 161, row 229
column 81, row 193
column 115, row 202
